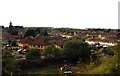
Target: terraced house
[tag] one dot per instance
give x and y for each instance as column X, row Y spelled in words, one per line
column 39, row 42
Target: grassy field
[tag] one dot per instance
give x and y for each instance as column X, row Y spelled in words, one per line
column 105, row 67
column 46, row 70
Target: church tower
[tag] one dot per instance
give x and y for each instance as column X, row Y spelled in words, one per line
column 10, row 24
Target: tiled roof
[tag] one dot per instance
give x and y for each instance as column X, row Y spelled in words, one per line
column 7, row 36
column 56, row 38
column 38, row 40
column 60, row 42
column 93, row 39
column 113, row 40
column 26, row 40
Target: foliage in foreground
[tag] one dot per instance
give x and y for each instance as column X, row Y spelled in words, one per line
column 33, row 54
column 9, row 63
column 52, row 51
column 76, row 49
column 109, row 64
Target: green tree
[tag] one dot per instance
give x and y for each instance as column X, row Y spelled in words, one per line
column 46, row 39
column 108, row 51
column 52, row 51
column 109, row 64
column 44, row 33
column 14, row 43
column 38, row 30
column 30, row 32
column 117, row 57
column 76, row 49
column 9, row 62
column 33, row 54
column 12, row 30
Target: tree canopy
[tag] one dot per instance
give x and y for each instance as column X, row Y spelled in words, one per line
column 12, row 30
column 30, row 32
column 14, row 43
column 9, row 62
column 33, row 54
column 52, row 51
column 76, row 49
column 44, row 33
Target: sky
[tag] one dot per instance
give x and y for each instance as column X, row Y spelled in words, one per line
column 60, row 13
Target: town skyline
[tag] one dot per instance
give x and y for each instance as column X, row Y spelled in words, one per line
column 10, row 22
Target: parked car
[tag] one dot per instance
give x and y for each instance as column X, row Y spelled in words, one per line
column 68, row 73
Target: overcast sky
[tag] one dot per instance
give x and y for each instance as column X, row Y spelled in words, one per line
column 60, row 13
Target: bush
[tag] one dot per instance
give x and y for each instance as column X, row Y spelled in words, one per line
column 33, row 54
column 14, row 43
column 75, row 49
column 108, row 51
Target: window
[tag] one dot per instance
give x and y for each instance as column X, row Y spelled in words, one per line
column 41, row 50
column 34, row 45
column 38, row 45
column 61, row 46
